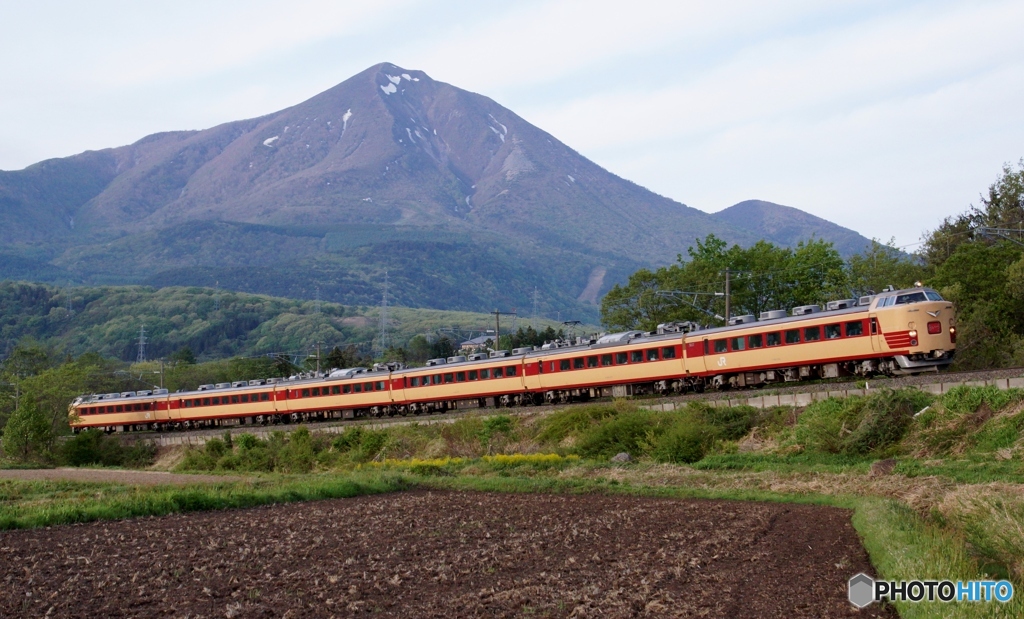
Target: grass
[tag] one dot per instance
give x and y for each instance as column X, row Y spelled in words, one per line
column 26, row 504
column 951, row 509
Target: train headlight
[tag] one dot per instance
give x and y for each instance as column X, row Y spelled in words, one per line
column 952, row 335
column 913, row 337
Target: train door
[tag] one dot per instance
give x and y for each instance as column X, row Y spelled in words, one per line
column 696, row 352
column 876, row 333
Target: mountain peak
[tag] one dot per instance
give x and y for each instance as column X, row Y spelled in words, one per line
column 786, row 225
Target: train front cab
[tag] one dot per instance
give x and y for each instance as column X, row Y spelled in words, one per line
column 916, row 326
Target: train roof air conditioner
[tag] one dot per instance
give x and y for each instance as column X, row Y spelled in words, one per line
column 205, row 387
column 222, row 386
column 456, row 359
column 615, row 338
column 495, row 354
column 240, row 383
column 438, row 361
column 741, row 320
column 522, row 351
column 840, row 304
column 865, row 300
column 772, row 315
column 804, row 310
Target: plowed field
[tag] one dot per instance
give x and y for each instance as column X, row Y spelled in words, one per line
column 445, row 554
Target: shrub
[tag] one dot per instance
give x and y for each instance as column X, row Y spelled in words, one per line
column 729, row 422
column 887, row 415
column 825, row 423
column 93, row 447
column 684, row 443
column 630, row 432
column 963, row 400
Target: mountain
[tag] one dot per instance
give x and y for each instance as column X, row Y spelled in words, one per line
column 464, row 203
column 785, row 225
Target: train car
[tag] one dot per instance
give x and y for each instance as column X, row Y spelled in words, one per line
column 897, row 332
column 894, row 332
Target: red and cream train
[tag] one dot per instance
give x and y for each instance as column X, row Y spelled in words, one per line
column 895, row 332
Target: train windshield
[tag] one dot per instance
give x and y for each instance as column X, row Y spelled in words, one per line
column 918, row 296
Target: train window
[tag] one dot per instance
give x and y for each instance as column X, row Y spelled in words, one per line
column 245, row 397
column 315, row 391
column 498, row 371
column 636, row 356
column 652, row 354
column 510, row 371
column 563, row 364
column 448, row 378
column 137, row 407
column 305, row 393
column 668, row 352
column 706, row 351
column 264, row 396
column 578, row 363
column 910, row 297
column 812, row 334
column 774, row 339
column 721, row 346
column 606, row 360
column 335, row 390
column 380, row 386
column 620, row 358
column 737, row 343
column 215, row 401
column 234, row 399
column 460, row 377
column 188, row 403
column 474, row 375
column 854, row 328
column 206, row 401
column 357, row 388
column 486, row 373
column 120, row 408
column 932, row 295
column 756, row 341
column 346, row 388
column 591, row 362
column 833, row 332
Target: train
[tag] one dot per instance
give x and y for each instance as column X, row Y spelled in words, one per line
column 890, row 333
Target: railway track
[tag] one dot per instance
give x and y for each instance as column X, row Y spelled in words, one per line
column 937, row 382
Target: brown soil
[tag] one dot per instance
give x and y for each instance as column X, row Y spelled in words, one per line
column 446, row 554
column 117, row 476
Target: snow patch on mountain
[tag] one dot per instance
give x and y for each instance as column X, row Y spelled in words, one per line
column 270, row 141
column 390, row 89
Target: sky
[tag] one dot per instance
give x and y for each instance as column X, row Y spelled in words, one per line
column 882, row 116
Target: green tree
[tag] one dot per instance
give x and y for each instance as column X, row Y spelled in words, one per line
column 762, row 277
column 27, row 434
column 184, row 355
column 883, row 265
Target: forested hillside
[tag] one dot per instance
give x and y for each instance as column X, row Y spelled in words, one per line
column 210, row 323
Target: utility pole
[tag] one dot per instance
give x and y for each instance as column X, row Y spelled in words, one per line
column 536, row 301
column 497, row 324
column 382, row 339
column 216, row 296
column 728, row 297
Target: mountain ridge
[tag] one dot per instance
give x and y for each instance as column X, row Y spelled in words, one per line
column 386, row 151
